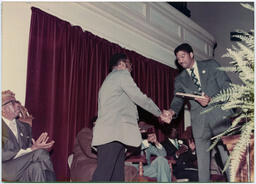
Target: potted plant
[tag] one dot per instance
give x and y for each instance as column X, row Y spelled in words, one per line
column 239, row 96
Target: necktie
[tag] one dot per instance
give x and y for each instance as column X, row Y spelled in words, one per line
column 176, row 143
column 195, row 80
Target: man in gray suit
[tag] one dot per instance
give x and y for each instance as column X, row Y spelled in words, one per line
column 23, row 158
column 201, row 77
column 117, row 123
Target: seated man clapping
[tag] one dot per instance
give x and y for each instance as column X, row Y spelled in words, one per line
column 23, row 158
column 185, row 156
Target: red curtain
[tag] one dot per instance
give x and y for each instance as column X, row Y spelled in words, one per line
column 66, row 67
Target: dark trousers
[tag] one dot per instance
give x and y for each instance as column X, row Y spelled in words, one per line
column 110, row 166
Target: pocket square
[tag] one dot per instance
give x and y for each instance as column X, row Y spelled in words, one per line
column 21, row 134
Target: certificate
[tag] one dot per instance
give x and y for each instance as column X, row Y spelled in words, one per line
column 188, row 95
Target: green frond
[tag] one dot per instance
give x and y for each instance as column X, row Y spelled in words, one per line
column 237, row 120
column 240, row 148
column 227, row 69
column 226, row 165
column 238, row 96
column 228, row 131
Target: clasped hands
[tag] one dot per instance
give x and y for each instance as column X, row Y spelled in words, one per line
column 167, row 115
column 41, row 142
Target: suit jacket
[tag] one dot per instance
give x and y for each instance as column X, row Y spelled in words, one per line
column 24, row 168
column 212, row 82
column 11, row 169
column 10, row 145
column 117, row 111
column 153, row 150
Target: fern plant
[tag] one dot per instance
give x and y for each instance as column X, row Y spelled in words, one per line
column 239, row 96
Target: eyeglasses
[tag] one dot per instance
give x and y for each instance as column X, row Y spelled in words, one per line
column 12, row 101
column 127, row 62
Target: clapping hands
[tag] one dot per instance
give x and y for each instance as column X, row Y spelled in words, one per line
column 41, row 142
column 191, row 144
column 167, row 115
column 183, row 148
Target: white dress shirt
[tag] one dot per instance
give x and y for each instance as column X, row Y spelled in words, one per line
column 13, row 126
column 174, row 142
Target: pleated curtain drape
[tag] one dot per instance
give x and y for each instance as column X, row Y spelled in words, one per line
column 66, row 67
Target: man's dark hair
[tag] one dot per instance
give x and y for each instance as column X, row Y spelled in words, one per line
column 92, row 122
column 94, row 119
column 183, row 47
column 115, row 59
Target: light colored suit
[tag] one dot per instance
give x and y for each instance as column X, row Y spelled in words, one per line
column 30, row 167
column 159, row 167
column 117, row 111
column 204, row 126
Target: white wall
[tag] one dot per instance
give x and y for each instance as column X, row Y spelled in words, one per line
column 221, row 18
column 15, row 34
column 151, row 29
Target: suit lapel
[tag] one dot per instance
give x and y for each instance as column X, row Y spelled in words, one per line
column 6, row 132
column 203, row 74
column 189, row 85
column 21, row 134
column 172, row 145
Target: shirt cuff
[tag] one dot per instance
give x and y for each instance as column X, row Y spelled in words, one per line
column 22, row 152
column 176, row 156
column 145, row 144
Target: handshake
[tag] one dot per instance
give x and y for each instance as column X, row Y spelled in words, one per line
column 167, row 115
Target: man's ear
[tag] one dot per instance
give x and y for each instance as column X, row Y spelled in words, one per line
column 191, row 54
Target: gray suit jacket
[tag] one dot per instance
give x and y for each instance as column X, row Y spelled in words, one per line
column 117, row 111
column 23, row 168
column 153, row 150
column 212, row 81
column 10, row 146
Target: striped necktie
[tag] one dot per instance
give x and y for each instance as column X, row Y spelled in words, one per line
column 195, row 80
column 176, row 143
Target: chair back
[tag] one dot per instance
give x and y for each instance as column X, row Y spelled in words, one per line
column 70, row 159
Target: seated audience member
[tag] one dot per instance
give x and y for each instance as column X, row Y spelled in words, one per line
column 159, row 167
column 184, row 155
column 23, row 158
column 85, row 159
